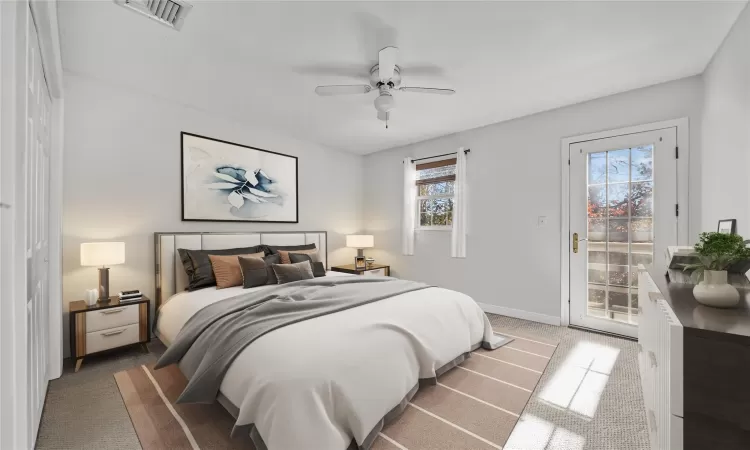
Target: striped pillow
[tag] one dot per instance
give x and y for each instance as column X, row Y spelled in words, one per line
column 227, row 270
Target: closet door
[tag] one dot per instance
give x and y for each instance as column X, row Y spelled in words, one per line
column 36, row 179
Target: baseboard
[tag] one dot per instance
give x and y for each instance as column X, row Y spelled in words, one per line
column 520, row 314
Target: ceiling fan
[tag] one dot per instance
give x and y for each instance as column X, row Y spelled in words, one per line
column 385, row 77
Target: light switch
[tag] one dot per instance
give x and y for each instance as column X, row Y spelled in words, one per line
column 541, row 221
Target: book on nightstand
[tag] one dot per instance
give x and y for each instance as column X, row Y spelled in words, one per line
column 130, row 296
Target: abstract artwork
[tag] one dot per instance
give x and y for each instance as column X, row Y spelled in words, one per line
column 223, row 181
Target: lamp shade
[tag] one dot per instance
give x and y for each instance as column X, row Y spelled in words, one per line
column 360, row 241
column 102, row 253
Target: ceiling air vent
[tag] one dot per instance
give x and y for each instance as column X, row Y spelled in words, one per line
column 171, row 13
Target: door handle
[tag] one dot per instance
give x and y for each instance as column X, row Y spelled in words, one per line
column 576, row 240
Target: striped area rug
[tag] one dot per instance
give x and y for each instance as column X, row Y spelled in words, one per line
column 472, row 407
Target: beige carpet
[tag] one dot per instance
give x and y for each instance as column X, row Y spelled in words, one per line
column 473, row 406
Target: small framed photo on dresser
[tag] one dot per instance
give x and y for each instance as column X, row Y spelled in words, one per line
column 727, row 226
column 360, row 262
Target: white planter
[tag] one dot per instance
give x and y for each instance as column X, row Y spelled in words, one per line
column 715, row 291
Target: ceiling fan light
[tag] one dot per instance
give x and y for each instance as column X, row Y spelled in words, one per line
column 385, row 103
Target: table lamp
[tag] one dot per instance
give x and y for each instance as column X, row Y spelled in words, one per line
column 102, row 254
column 360, row 242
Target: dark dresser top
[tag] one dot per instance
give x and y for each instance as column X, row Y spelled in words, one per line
column 692, row 314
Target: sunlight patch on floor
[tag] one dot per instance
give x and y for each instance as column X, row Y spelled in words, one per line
column 533, row 433
column 580, row 381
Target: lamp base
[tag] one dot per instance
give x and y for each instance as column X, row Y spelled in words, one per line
column 103, row 285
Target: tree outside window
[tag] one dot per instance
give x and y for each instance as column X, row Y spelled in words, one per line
column 435, row 191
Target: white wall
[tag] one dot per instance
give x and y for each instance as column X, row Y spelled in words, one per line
column 726, row 131
column 122, row 181
column 514, row 175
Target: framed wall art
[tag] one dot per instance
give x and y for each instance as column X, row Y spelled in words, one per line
column 227, row 182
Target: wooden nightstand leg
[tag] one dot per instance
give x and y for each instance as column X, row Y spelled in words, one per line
column 79, row 361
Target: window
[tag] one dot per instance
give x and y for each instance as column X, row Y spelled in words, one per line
column 435, row 184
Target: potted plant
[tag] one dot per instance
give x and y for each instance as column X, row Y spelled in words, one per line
column 716, row 253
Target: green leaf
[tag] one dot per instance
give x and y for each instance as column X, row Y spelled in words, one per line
column 697, row 275
column 718, row 251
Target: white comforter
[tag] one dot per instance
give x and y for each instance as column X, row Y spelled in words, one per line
column 318, row 383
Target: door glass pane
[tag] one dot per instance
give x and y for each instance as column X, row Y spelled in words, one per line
column 620, row 229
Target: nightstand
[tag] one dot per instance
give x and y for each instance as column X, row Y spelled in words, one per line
column 100, row 328
column 372, row 269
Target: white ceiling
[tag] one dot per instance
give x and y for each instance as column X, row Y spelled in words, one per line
column 258, row 63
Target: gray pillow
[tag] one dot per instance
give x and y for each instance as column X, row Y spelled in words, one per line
column 198, row 265
column 286, row 273
column 258, row 272
column 319, row 270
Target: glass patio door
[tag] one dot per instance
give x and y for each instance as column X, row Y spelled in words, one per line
column 623, row 192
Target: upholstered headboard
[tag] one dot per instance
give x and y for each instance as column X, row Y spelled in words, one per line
column 170, row 275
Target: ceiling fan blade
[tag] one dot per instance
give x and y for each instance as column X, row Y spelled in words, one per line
column 343, row 89
column 387, row 62
column 384, row 116
column 424, row 90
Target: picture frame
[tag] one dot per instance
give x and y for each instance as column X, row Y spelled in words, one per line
column 727, row 226
column 224, row 181
column 360, row 262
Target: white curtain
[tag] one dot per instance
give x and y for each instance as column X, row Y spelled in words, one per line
column 409, row 213
column 460, row 203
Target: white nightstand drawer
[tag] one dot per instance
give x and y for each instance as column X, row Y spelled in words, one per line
column 111, row 318
column 116, row 337
column 374, row 272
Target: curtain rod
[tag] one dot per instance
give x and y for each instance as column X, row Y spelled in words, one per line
column 438, row 156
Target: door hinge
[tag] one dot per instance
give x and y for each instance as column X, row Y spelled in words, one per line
column 677, row 209
column 677, row 153
column 568, row 161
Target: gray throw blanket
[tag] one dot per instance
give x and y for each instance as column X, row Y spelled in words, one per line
column 212, row 339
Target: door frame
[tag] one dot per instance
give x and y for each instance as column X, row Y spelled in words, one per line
column 683, row 194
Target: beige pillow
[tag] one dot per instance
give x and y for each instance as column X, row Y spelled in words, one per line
column 285, row 255
column 227, row 270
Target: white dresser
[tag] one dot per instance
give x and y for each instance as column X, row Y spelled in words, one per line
column 660, row 364
column 694, row 363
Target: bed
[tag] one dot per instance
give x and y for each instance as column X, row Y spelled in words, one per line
column 333, row 381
